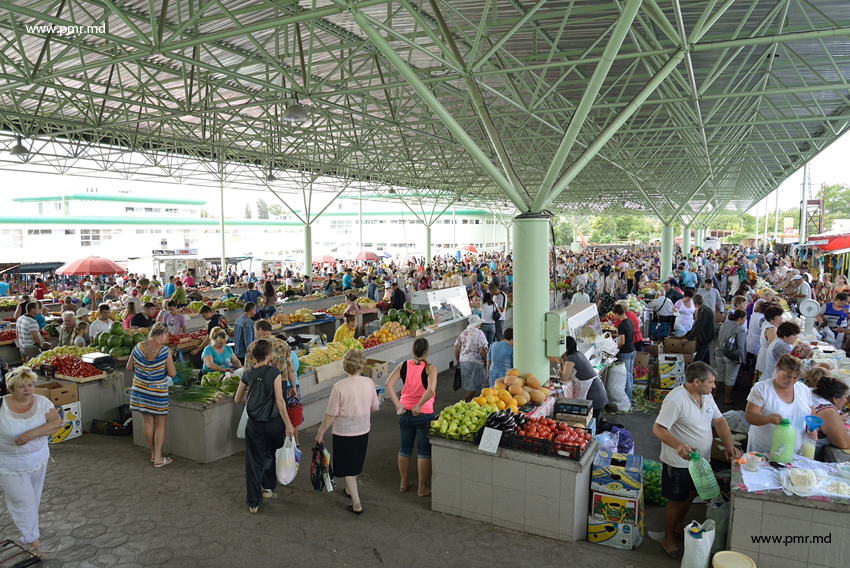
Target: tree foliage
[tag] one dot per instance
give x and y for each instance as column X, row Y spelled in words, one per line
column 247, row 211
column 276, row 209
column 262, row 209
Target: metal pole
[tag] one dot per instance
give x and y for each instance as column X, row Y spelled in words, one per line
column 308, row 250
column 427, row 245
column 766, row 216
column 454, row 227
column 776, row 220
column 507, row 240
column 686, row 241
column 531, row 297
column 360, row 214
column 221, row 220
column 803, row 197
column 666, row 252
column 756, row 241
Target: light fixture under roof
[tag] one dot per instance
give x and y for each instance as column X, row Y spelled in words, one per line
column 19, row 149
column 295, row 112
column 392, row 191
column 270, row 177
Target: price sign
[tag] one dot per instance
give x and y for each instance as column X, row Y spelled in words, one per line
column 490, row 440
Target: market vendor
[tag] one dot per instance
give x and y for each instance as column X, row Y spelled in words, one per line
column 218, row 356
column 835, row 315
column 684, row 425
column 102, row 323
column 347, row 329
column 179, row 295
column 69, row 320
column 829, row 397
column 786, row 337
column 144, row 319
column 771, row 401
column 584, row 371
column 172, row 317
column 352, row 306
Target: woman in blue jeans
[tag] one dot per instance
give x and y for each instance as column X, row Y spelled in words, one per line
column 415, row 412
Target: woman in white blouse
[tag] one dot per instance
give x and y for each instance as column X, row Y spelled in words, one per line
column 26, row 421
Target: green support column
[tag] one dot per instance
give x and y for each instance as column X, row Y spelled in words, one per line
column 686, row 241
column 666, row 251
column 574, row 245
column 697, row 237
column 308, row 250
column 531, row 293
column 427, row 245
column 507, row 240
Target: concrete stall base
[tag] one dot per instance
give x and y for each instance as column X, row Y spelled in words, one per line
column 525, row 492
column 810, row 533
column 202, row 433
column 99, row 400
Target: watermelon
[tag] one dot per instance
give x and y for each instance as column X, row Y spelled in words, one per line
column 117, row 328
column 425, row 314
column 113, row 341
column 408, row 306
column 125, row 351
column 138, row 338
column 416, row 319
column 413, row 327
column 126, row 340
column 393, row 313
column 385, row 320
column 98, row 338
column 115, row 352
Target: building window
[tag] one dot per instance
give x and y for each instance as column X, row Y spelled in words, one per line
column 367, row 245
column 70, row 231
column 39, row 231
column 148, row 209
column 157, row 210
column 129, row 209
column 477, row 222
column 447, row 221
column 465, row 222
column 58, row 206
column 170, row 210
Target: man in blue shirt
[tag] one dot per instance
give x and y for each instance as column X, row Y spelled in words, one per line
column 346, row 280
column 169, row 288
column 372, row 289
column 689, row 279
column 244, row 336
column 4, row 287
column 250, row 296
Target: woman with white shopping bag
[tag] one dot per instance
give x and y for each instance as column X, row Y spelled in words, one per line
column 352, row 401
column 267, row 423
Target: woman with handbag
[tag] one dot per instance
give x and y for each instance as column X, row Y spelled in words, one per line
column 729, row 355
column 352, row 401
column 267, row 424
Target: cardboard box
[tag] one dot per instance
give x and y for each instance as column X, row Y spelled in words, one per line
column 670, row 370
column 617, row 474
column 626, row 510
column 59, row 393
column 720, row 317
column 658, row 395
column 720, row 454
column 654, row 348
column 72, row 423
column 675, row 345
column 378, row 371
column 615, row 535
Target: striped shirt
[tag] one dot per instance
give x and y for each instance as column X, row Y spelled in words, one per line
column 150, row 383
column 25, row 327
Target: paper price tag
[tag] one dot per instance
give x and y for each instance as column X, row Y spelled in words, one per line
column 490, row 440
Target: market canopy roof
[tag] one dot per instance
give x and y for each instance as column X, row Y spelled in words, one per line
column 676, row 109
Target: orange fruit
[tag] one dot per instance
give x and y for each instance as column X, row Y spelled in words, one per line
column 490, row 399
column 480, row 401
column 500, row 405
column 506, row 397
column 485, row 392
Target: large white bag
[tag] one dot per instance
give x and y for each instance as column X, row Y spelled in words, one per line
column 698, row 548
column 288, row 460
column 243, row 423
column 606, row 344
column 617, row 387
column 717, row 510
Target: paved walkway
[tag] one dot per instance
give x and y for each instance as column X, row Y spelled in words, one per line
column 104, row 505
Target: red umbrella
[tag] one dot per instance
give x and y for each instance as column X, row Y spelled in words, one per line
column 470, row 248
column 323, row 259
column 93, row 266
column 366, row 255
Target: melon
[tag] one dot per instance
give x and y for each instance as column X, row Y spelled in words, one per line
column 515, row 390
column 527, row 389
column 529, row 375
column 513, row 373
column 537, row 396
column 533, row 382
column 117, row 328
column 521, row 399
column 114, row 341
column 510, row 381
column 126, row 340
column 138, row 338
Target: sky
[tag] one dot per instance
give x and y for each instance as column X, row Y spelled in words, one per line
column 828, row 167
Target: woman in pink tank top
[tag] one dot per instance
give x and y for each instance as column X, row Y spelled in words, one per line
column 415, row 413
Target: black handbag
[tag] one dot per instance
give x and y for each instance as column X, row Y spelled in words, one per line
column 261, row 405
column 457, row 384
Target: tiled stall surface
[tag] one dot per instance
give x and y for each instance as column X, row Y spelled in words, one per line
column 534, row 494
column 811, row 534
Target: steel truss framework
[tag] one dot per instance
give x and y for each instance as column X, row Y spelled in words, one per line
column 678, row 109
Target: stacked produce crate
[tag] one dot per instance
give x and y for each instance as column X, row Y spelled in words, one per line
column 616, row 488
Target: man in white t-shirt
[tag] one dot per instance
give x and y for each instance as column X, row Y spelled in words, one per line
column 804, row 289
column 683, row 426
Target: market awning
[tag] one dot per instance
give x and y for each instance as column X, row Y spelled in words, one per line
column 8, row 266
column 39, row 268
column 839, row 251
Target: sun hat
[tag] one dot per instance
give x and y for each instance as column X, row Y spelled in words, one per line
column 797, row 277
column 474, row 321
column 82, row 312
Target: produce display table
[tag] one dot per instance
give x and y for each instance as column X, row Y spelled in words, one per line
column 775, row 514
column 201, row 432
column 536, row 494
column 99, row 400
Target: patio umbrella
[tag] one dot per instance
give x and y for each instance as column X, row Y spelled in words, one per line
column 92, row 265
column 366, row 255
column 323, row 259
column 469, row 248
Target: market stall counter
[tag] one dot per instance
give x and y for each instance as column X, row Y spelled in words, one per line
column 531, row 493
column 99, row 400
column 777, row 529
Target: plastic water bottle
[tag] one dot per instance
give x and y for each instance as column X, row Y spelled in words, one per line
column 784, row 441
column 703, row 476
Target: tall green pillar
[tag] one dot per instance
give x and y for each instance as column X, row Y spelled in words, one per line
column 507, row 240
column 531, row 292
column 427, row 245
column 308, row 251
column 666, row 252
column 686, row 241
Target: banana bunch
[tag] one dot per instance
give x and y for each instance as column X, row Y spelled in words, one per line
column 337, row 309
column 336, row 350
column 318, row 357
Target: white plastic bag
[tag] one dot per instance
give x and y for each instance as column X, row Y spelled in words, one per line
column 698, row 547
column 243, row 423
column 606, row 344
column 608, row 442
column 617, row 387
column 288, row 460
column 717, row 510
column 736, row 421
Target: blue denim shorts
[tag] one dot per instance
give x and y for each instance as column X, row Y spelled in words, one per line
column 415, row 429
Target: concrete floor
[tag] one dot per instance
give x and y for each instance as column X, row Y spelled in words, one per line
column 104, row 505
